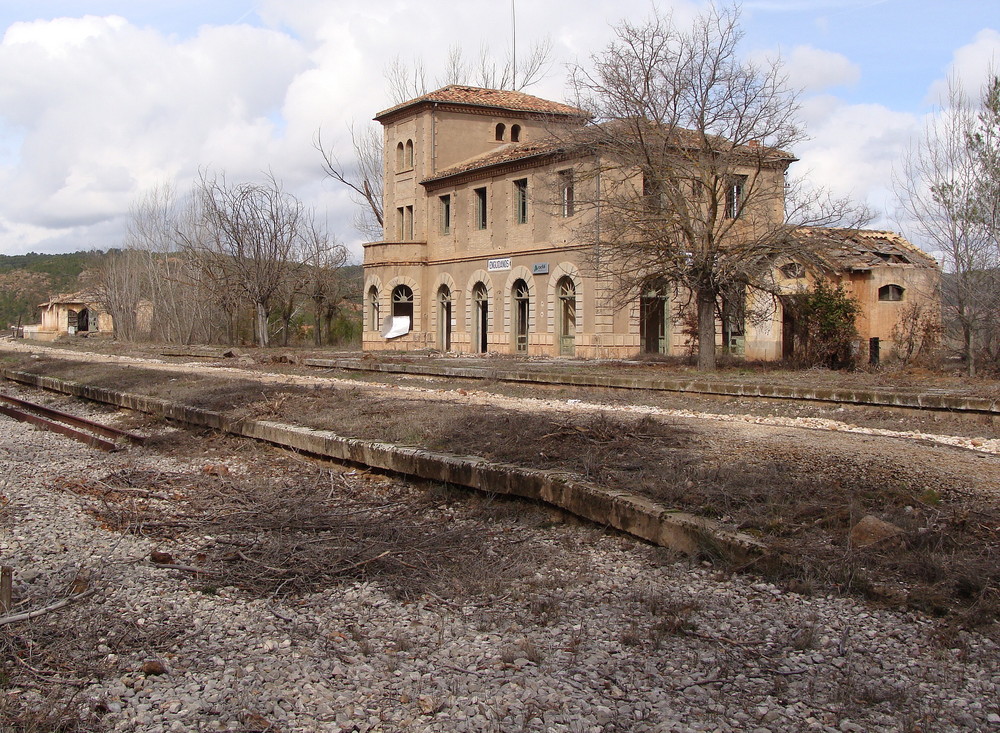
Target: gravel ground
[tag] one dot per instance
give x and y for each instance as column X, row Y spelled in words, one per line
column 594, row 633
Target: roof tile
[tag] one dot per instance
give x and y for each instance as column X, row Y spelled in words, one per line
column 494, row 98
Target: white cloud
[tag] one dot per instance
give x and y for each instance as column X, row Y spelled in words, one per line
column 853, row 150
column 103, row 109
column 971, row 66
column 815, row 70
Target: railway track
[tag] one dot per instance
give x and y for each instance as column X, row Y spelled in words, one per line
column 95, row 434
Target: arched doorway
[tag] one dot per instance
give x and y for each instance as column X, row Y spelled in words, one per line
column 654, row 318
column 521, row 307
column 444, row 318
column 83, row 320
column 481, row 318
column 566, row 296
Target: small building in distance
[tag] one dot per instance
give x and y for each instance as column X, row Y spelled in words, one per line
column 62, row 315
column 483, row 248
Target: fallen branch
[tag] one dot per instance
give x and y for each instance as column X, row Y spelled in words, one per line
column 28, row 615
column 186, row 568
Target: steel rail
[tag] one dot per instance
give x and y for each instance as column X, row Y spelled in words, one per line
column 58, row 421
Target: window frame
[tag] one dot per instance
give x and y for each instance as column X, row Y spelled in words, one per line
column 567, row 194
column 521, row 201
column 445, row 204
column 893, row 292
column 735, row 196
column 482, row 199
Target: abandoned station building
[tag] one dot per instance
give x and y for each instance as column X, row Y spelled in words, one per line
column 476, row 258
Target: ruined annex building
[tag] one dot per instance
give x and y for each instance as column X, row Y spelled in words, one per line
column 484, row 251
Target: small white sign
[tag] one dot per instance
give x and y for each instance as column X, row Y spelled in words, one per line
column 498, row 265
column 540, row 268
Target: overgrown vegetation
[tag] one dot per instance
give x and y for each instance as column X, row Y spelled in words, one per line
column 824, row 326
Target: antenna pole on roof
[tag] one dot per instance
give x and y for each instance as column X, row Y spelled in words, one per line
column 513, row 53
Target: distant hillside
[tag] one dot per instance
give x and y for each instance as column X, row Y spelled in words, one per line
column 27, row 280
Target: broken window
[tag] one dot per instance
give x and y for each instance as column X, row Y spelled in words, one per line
column 566, row 193
column 445, row 214
column 480, row 208
column 521, row 201
column 793, row 270
column 374, row 317
column 402, row 303
column 890, row 292
column 735, row 196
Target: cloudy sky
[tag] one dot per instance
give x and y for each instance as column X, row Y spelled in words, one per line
column 100, row 100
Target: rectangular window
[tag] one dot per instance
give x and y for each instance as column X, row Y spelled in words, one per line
column 400, row 224
column 566, row 192
column 480, row 208
column 734, row 196
column 446, row 214
column 409, row 223
column 521, row 201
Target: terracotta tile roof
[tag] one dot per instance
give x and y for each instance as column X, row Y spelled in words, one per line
column 501, row 99
column 505, row 154
column 863, row 249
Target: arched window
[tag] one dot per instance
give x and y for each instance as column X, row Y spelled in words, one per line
column 444, row 318
column 566, row 293
column 400, row 158
column 521, row 306
column 374, row 317
column 409, row 154
column 515, row 133
column 793, row 270
column 481, row 317
column 402, row 303
column 501, row 129
column 890, row 292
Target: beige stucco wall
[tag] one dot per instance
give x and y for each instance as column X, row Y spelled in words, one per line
column 547, row 247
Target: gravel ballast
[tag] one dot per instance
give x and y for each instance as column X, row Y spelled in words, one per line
column 591, row 632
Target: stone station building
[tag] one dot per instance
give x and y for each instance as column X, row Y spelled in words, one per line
column 482, row 250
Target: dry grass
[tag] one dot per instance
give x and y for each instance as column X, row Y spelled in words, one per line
column 800, row 501
column 300, row 528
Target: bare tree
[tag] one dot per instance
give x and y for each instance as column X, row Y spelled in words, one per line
column 180, row 309
column 948, row 191
column 691, row 147
column 407, row 81
column 363, row 177
column 251, row 233
column 119, row 285
column 325, row 257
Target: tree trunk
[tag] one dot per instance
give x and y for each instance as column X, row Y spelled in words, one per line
column 262, row 339
column 970, row 350
column 318, row 321
column 706, row 330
